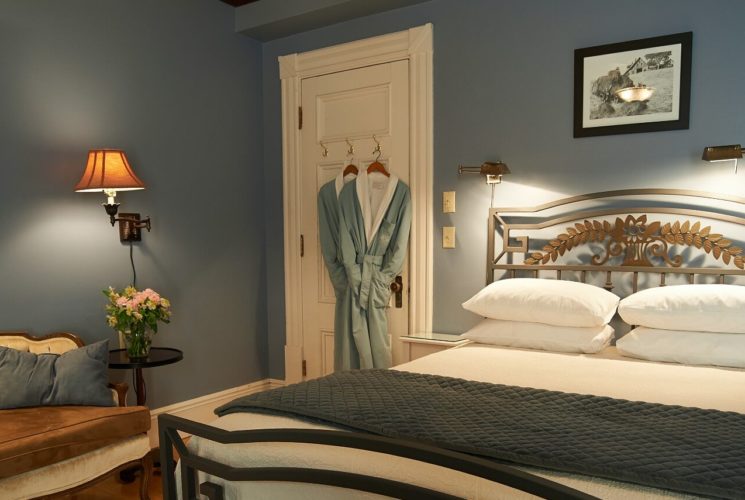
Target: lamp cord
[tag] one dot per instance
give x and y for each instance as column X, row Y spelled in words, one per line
column 134, row 284
column 132, row 261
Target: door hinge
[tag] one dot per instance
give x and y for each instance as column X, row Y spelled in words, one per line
column 302, row 246
column 300, row 118
column 305, row 368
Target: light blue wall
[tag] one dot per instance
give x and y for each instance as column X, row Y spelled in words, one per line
column 172, row 84
column 197, row 108
column 503, row 89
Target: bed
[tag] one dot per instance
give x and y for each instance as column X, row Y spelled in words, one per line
column 252, row 454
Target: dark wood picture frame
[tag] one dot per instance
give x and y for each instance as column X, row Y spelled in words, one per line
column 683, row 89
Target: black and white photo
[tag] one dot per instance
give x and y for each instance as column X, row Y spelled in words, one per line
column 637, row 86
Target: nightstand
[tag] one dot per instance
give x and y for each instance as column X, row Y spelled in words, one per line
column 422, row 344
column 158, row 356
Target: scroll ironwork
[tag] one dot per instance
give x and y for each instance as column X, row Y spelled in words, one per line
column 639, row 240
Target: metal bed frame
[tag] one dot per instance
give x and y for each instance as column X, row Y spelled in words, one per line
column 169, row 426
column 641, row 244
column 646, row 246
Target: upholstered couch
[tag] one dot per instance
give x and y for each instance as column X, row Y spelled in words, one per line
column 51, row 451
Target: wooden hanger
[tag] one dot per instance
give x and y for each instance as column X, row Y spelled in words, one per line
column 350, row 168
column 376, row 166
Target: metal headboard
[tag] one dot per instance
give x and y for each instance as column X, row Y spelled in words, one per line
column 633, row 242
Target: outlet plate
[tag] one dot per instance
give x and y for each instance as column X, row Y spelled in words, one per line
column 448, row 237
column 448, row 202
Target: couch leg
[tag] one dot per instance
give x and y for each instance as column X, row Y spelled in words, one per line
column 128, row 475
column 147, row 471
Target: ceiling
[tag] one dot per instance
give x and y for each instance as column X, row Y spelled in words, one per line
column 266, row 20
column 237, row 3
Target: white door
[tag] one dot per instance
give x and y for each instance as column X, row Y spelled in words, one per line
column 353, row 106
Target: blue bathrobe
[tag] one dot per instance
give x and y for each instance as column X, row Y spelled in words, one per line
column 345, row 353
column 374, row 224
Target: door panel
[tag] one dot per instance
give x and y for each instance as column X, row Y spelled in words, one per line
column 327, row 351
column 356, row 105
column 357, row 113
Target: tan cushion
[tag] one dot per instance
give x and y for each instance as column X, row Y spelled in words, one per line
column 39, row 436
column 74, row 471
column 17, row 344
column 56, row 345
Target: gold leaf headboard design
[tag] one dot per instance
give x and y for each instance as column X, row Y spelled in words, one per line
column 623, row 237
column 637, row 240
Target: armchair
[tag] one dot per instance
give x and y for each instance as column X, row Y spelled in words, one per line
column 51, row 451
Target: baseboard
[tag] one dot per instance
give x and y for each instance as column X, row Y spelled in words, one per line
column 202, row 409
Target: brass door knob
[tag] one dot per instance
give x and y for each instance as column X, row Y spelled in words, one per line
column 397, row 287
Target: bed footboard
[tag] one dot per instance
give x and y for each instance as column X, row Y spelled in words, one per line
column 169, row 426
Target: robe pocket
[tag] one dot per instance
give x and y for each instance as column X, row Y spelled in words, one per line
column 385, row 232
column 380, row 293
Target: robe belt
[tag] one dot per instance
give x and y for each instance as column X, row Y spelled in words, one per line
column 369, row 263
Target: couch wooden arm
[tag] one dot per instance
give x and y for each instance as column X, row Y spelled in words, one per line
column 121, row 389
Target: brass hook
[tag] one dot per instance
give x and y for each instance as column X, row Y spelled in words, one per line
column 325, row 152
column 350, row 151
column 377, row 148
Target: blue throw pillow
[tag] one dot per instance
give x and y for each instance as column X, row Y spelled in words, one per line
column 77, row 377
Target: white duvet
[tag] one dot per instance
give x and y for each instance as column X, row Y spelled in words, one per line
column 603, row 374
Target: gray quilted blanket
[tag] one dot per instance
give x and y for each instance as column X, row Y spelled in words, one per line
column 684, row 449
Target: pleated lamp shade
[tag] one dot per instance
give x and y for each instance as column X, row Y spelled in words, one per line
column 108, row 170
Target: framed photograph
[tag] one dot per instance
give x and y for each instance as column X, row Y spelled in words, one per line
column 629, row 87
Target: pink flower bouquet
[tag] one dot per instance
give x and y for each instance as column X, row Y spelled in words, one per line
column 136, row 314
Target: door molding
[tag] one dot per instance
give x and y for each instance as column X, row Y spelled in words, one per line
column 414, row 45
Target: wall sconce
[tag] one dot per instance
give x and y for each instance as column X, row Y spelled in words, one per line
column 493, row 171
column 108, row 171
column 723, row 153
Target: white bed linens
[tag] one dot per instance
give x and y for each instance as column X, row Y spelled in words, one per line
column 681, row 346
column 603, row 374
column 702, row 307
column 527, row 335
column 560, row 302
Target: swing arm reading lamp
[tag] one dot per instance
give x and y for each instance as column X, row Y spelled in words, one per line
column 493, row 171
column 723, row 153
column 108, row 171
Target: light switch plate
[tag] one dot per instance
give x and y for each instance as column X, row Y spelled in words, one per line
column 448, row 237
column 448, row 202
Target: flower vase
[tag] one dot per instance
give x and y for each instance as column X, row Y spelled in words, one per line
column 137, row 343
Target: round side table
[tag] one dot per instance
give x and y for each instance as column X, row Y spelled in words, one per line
column 158, row 356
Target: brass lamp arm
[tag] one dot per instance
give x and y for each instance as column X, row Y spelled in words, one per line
column 486, row 168
column 137, row 223
column 493, row 171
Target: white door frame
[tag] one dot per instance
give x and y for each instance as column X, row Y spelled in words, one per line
column 414, row 45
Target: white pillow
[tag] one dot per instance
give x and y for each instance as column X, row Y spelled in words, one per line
column 553, row 302
column 701, row 308
column 687, row 347
column 541, row 336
